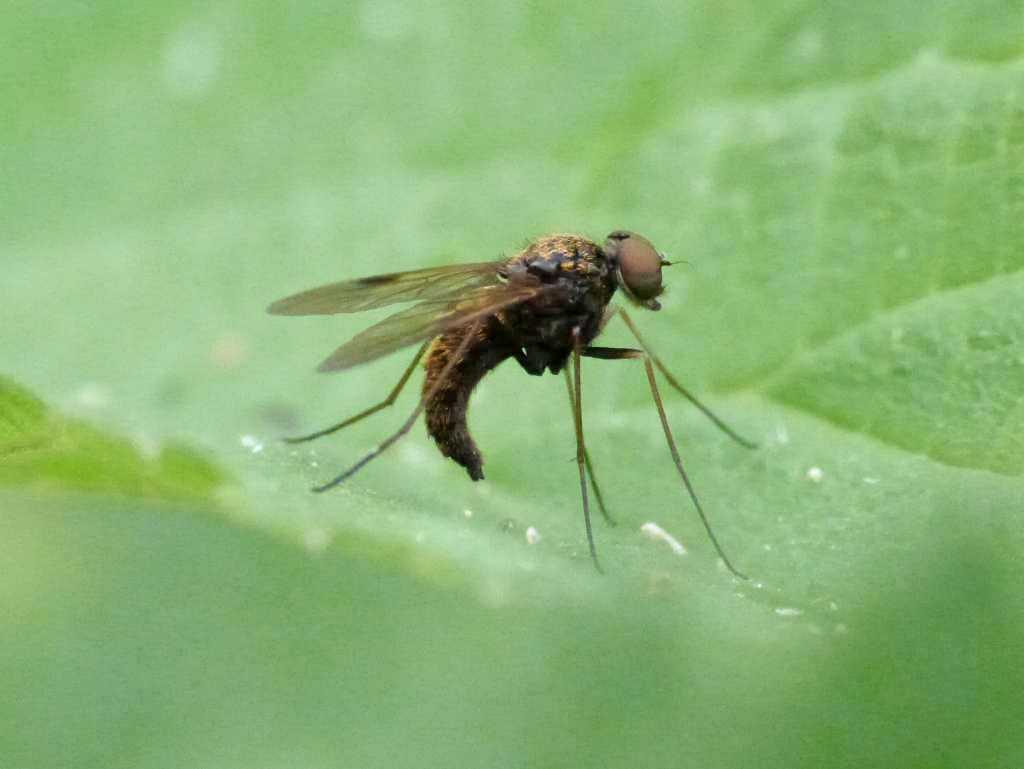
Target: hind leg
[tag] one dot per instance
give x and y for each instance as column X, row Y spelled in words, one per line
column 388, row 401
column 407, row 425
column 586, row 457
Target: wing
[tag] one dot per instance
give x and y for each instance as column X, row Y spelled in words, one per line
column 427, row 320
column 432, row 284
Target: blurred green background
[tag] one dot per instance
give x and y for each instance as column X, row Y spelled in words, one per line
column 844, row 181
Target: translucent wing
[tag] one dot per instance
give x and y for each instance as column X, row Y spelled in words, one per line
column 427, row 320
column 432, row 284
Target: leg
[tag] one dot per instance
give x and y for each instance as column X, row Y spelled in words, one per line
column 407, row 425
column 581, row 451
column 586, row 456
column 613, row 353
column 682, row 390
column 388, row 401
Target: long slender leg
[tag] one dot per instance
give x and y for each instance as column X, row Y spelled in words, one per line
column 581, row 452
column 586, row 456
column 682, row 390
column 614, row 353
column 407, row 425
column 388, row 401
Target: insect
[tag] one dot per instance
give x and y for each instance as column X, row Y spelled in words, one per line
column 542, row 307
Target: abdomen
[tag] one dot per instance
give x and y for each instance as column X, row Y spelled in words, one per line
column 446, row 408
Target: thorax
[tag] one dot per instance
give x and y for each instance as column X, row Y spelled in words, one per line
column 542, row 328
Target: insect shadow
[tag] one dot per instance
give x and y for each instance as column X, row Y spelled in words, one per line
column 542, row 307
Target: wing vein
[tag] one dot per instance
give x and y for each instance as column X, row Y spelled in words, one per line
column 426, row 320
column 431, row 284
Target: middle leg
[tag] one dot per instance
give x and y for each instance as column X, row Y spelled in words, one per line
column 586, row 457
column 581, row 448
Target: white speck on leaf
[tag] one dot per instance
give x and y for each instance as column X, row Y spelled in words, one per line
column 251, row 442
column 788, row 611
column 815, row 474
column 654, row 531
column 532, row 535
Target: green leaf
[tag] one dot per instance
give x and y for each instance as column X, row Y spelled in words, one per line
column 942, row 377
column 46, row 452
column 843, row 182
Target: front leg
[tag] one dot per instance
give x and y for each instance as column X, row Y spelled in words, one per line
column 719, row 423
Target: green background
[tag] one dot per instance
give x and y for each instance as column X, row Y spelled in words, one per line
column 844, row 182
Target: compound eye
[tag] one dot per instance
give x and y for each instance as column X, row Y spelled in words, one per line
column 640, row 267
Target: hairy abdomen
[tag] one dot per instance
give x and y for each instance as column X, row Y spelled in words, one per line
column 446, row 408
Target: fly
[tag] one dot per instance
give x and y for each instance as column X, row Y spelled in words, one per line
column 542, row 307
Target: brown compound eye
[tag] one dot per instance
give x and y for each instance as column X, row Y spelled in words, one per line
column 639, row 266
